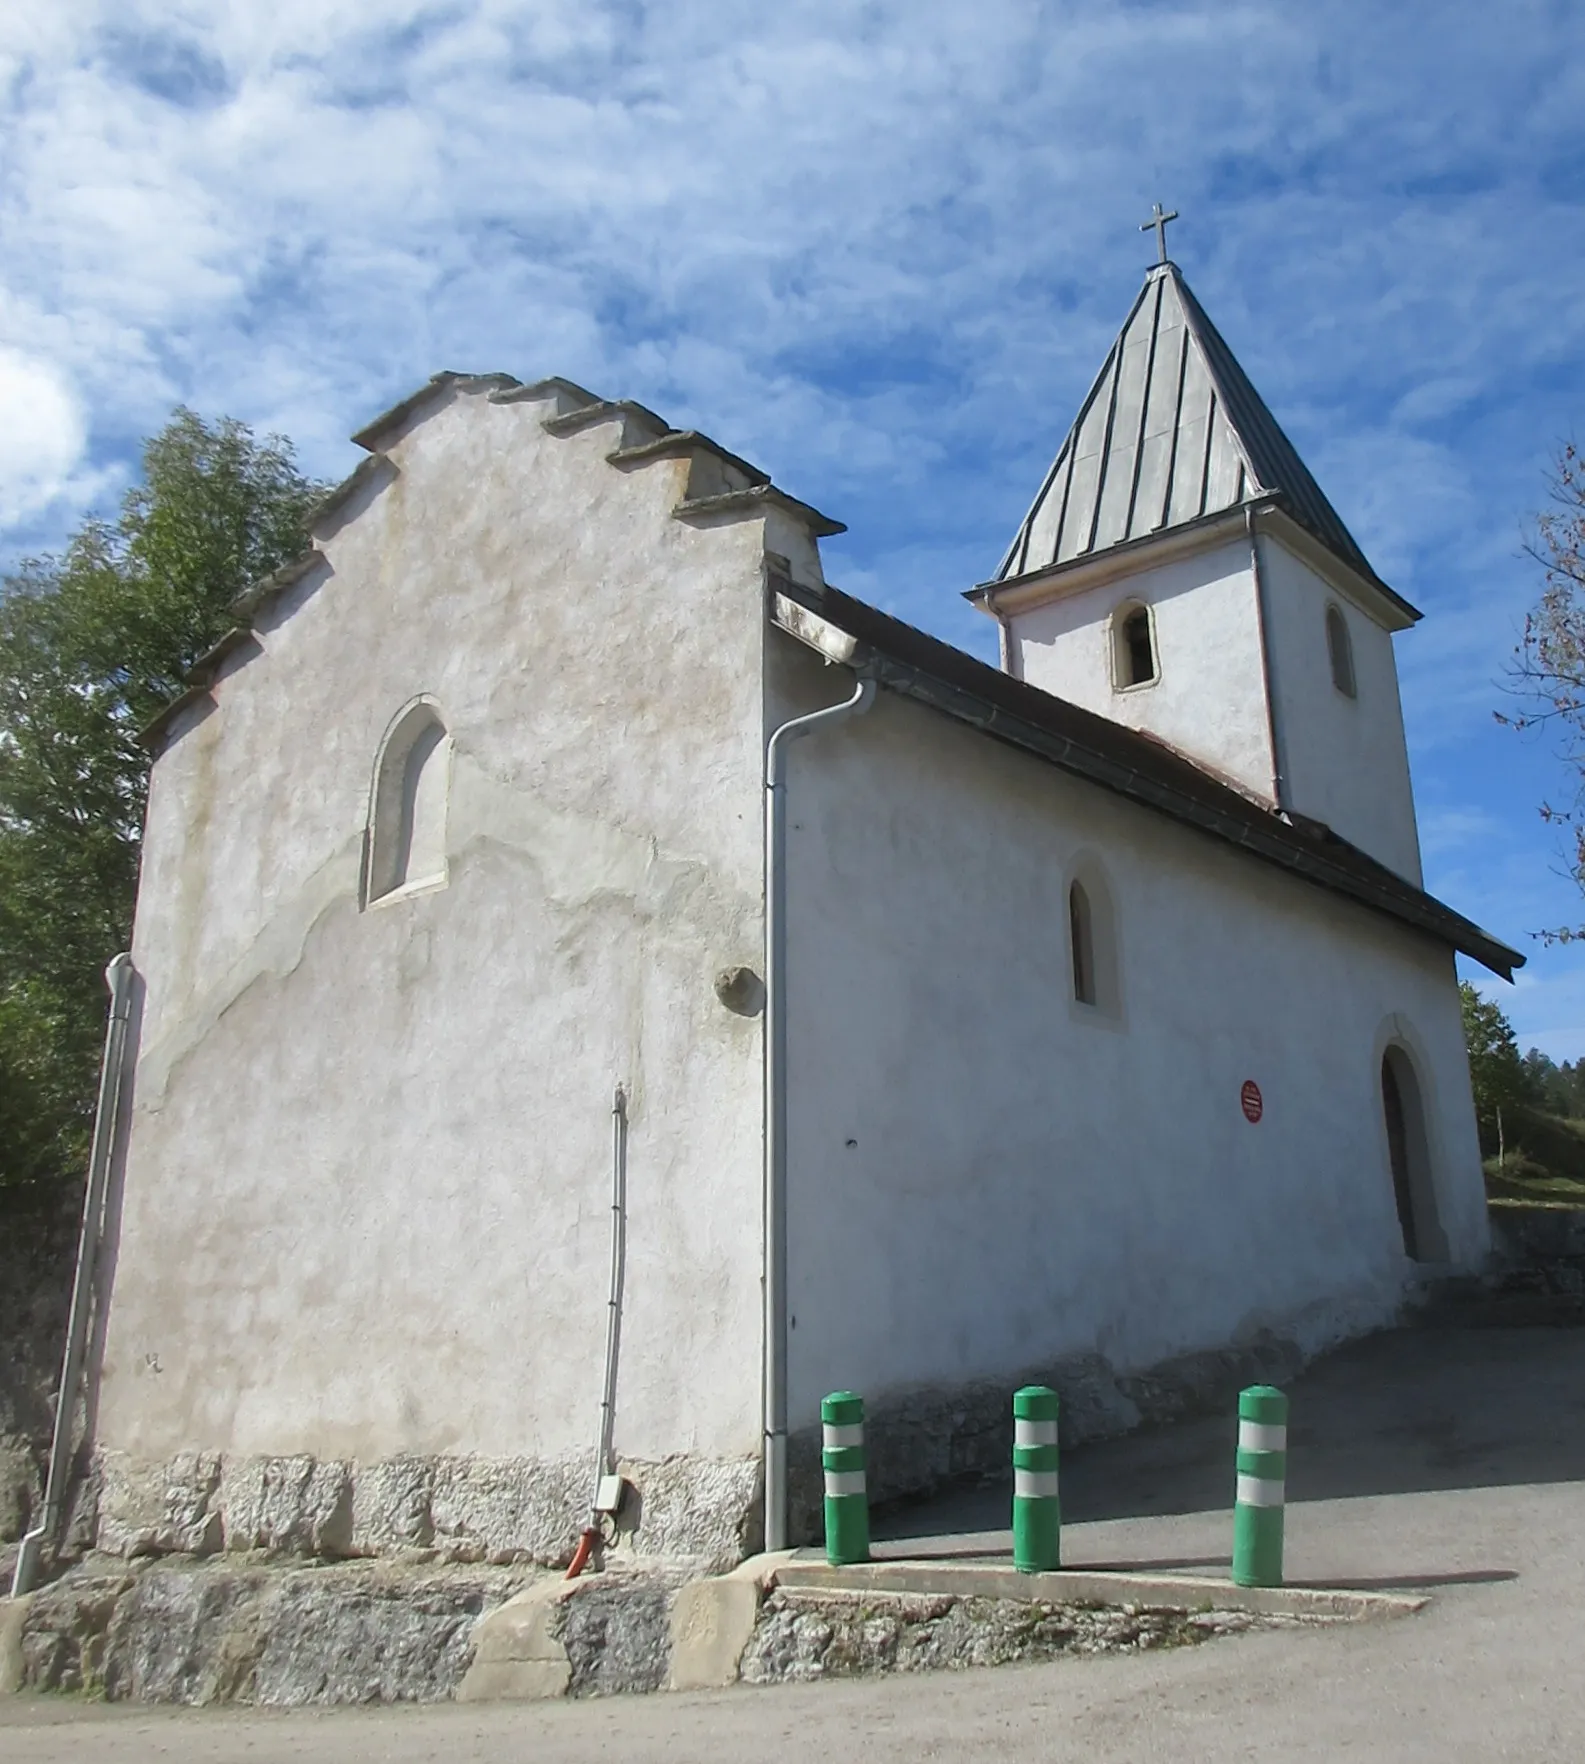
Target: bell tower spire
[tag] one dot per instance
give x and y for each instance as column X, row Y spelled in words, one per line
column 1182, row 572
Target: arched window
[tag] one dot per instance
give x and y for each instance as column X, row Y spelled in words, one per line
column 1133, row 646
column 1340, row 647
column 1081, row 941
column 1092, row 942
column 407, row 821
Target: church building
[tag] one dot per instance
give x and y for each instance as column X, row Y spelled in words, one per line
column 601, row 987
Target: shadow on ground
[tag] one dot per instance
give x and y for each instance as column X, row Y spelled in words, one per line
column 1408, row 1411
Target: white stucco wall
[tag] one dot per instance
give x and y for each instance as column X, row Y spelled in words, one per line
column 366, row 1201
column 1209, row 699
column 982, row 1175
column 1346, row 758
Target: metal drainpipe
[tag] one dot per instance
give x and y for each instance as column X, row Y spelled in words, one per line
column 613, row 1325
column 775, row 1273
column 118, row 977
column 603, row 1466
column 1007, row 654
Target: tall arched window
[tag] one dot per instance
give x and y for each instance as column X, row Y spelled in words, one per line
column 407, row 821
column 1081, row 941
column 1340, row 648
column 1092, row 941
column 1133, row 646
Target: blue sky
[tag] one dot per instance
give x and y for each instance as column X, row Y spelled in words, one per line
column 880, row 249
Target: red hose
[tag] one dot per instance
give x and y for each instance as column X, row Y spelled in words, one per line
column 585, row 1549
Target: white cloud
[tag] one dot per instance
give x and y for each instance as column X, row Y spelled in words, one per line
column 41, row 440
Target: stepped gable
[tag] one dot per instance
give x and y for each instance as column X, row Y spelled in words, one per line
column 721, row 486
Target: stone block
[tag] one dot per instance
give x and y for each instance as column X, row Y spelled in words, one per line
column 391, row 1506
column 525, row 1627
column 705, row 1511
column 63, row 1632
column 616, row 1629
column 13, row 1616
column 186, row 1635
column 711, row 1623
column 515, row 1681
column 20, row 1492
column 517, row 1651
column 360, row 1637
column 296, row 1504
column 508, row 1509
column 159, row 1509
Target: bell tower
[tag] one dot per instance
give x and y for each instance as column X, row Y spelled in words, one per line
column 1180, row 571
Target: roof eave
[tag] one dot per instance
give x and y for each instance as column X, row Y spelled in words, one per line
column 1013, row 593
column 1392, row 609
column 1270, row 512
column 1011, row 710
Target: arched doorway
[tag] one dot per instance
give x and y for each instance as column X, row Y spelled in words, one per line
column 1409, row 1157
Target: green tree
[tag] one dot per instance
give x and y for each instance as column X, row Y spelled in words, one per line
column 1496, row 1070
column 1548, row 1083
column 93, row 643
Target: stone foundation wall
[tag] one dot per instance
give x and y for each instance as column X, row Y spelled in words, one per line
column 705, row 1512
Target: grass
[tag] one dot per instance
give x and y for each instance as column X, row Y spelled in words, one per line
column 1543, row 1162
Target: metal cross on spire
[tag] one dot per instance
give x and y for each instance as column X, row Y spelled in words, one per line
column 1158, row 220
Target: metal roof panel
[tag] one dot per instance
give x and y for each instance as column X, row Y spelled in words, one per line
column 1171, row 430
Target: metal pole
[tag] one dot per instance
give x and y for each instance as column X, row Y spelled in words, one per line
column 775, row 1240
column 118, row 977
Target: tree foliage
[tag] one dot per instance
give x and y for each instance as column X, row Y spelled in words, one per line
column 1549, row 668
column 1560, row 1090
column 1497, row 1073
column 93, row 643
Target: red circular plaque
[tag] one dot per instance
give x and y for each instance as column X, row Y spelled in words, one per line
column 1250, row 1097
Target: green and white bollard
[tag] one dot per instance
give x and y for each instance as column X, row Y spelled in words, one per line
column 1262, row 1478
column 842, row 1459
column 1037, row 1509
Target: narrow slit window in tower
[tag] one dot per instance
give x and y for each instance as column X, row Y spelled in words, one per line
column 1340, row 648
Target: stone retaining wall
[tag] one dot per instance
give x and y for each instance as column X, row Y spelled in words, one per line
column 217, row 1632
column 802, row 1635
column 205, row 1633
